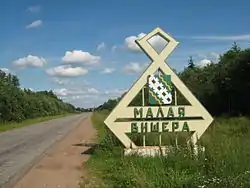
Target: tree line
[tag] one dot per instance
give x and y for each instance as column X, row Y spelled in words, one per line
column 17, row 104
column 222, row 87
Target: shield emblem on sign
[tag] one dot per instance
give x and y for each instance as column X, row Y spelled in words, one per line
column 160, row 89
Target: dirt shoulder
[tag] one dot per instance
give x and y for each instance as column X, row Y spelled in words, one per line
column 62, row 164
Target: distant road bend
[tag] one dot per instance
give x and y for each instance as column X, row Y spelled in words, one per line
column 19, row 148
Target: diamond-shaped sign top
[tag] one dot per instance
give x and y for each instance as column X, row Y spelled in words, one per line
column 150, row 51
column 158, row 43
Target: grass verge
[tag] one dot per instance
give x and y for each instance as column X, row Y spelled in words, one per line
column 14, row 125
column 225, row 162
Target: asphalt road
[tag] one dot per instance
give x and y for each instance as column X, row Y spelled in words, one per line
column 21, row 148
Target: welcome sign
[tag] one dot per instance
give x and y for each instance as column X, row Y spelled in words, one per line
column 162, row 113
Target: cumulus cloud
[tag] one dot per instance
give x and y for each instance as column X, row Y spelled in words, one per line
column 93, row 91
column 211, row 55
column 66, row 71
column 204, row 62
column 87, row 97
column 31, row 89
column 130, row 42
column 30, row 61
column 101, row 46
column 35, row 24
column 7, row 71
column 67, row 92
column 81, row 57
column 107, row 70
column 61, row 92
column 214, row 55
column 135, row 68
column 156, row 41
column 74, row 91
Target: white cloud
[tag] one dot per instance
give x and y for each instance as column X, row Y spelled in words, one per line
column 34, row 9
column 66, row 92
column 30, row 61
column 31, row 89
column 93, row 91
column 66, row 71
column 107, row 70
column 115, row 92
column 214, row 55
column 61, row 92
column 130, row 42
column 204, row 62
column 35, row 24
column 74, row 91
column 85, row 101
column 135, row 68
column 156, row 41
column 224, row 38
column 76, row 97
column 79, row 56
column 101, row 46
column 7, row 71
column 211, row 55
column 87, row 97
column 87, row 91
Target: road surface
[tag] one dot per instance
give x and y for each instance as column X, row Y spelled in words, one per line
column 21, row 148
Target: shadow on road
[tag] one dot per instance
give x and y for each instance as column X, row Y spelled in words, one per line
column 88, row 151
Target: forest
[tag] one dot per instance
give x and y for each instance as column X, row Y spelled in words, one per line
column 17, row 104
column 222, row 87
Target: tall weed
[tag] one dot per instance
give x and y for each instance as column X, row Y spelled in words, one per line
column 225, row 162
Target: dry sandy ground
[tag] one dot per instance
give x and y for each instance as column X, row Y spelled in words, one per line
column 62, row 164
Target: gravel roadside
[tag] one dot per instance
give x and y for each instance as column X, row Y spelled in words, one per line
column 21, row 148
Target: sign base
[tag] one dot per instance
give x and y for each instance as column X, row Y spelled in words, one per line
column 156, row 150
column 148, row 150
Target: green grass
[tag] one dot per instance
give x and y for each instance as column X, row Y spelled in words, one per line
column 225, row 162
column 14, row 125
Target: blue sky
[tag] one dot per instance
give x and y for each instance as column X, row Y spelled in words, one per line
column 84, row 50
